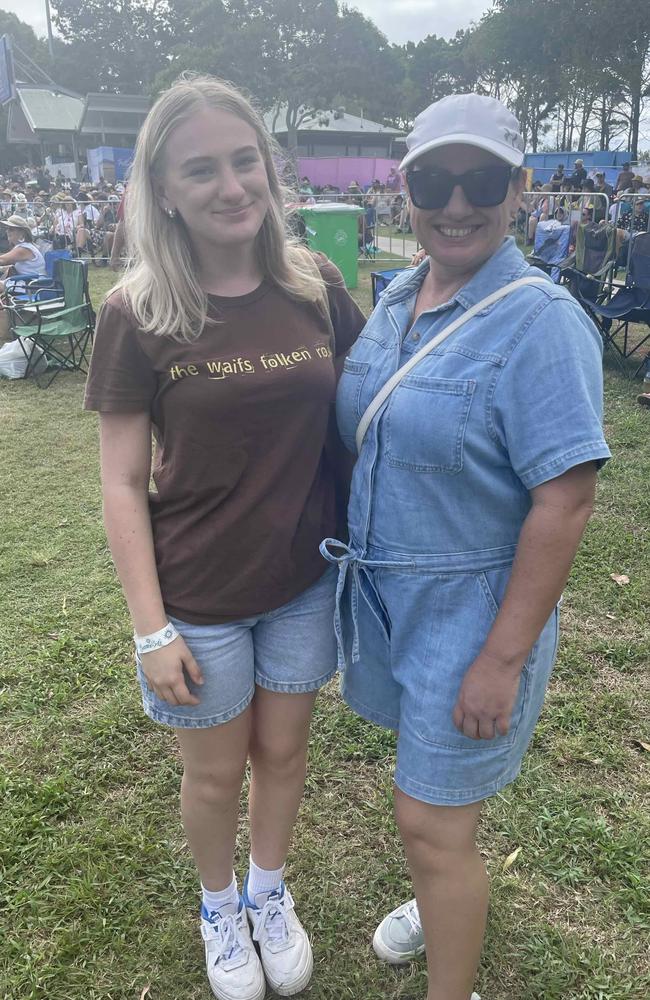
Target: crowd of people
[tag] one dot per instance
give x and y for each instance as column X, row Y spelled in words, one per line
column 575, row 198
column 58, row 213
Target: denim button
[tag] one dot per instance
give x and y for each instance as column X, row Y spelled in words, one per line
column 416, row 336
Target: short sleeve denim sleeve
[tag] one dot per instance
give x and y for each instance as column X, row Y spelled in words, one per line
column 547, row 404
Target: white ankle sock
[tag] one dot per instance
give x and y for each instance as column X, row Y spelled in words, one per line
column 224, row 901
column 261, row 882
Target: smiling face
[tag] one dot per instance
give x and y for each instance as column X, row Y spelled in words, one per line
column 459, row 238
column 214, row 177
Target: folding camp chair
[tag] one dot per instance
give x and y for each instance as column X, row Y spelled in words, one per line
column 381, row 280
column 592, row 268
column 551, row 247
column 64, row 334
column 630, row 302
column 38, row 288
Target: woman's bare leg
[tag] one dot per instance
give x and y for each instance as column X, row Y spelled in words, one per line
column 451, row 888
column 214, row 763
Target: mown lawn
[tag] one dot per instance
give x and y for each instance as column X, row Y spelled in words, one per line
column 98, row 898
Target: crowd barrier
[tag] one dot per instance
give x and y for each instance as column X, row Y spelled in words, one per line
column 384, row 230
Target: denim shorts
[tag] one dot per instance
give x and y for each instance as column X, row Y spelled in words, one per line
column 418, row 634
column 291, row 650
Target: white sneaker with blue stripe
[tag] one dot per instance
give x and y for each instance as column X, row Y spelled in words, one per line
column 233, row 965
column 284, row 946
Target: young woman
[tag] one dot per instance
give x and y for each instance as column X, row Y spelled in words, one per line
column 221, row 338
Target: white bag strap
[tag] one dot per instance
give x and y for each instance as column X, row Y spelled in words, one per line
column 395, row 379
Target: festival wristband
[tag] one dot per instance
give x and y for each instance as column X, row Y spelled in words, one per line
column 148, row 643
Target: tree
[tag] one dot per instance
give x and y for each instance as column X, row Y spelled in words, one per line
column 123, row 42
column 294, row 56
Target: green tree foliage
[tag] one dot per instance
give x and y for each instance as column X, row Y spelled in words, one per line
column 576, row 72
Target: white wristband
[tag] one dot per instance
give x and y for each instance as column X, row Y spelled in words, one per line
column 163, row 637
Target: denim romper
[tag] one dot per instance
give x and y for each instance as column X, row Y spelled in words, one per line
column 439, row 494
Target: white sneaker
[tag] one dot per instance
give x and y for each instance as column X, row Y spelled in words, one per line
column 399, row 937
column 284, row 946
column 233, row 965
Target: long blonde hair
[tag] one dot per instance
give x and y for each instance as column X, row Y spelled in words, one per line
column 160, row 284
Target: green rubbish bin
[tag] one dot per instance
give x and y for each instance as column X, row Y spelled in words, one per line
column 333, row 228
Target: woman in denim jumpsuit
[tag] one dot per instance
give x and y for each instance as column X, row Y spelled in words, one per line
column 472, row 488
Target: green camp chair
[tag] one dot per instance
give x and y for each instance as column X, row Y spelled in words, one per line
column 63, row 333
column 593, row 266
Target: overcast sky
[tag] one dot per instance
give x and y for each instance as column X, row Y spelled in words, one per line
column 400, row 20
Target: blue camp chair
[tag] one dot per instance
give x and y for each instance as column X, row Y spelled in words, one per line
column 30, row 288
column 381, row 280
column 630, row 302
column 551, row 247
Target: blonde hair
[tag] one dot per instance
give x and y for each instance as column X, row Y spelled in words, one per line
column 160, row 284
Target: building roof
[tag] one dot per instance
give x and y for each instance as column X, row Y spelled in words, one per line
column 333, row 122
column 47, row 110
column 123, row 113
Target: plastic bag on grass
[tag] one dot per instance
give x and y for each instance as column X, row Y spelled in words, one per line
column 13, row 363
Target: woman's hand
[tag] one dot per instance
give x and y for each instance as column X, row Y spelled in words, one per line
column 164, row 669
column 486, row 698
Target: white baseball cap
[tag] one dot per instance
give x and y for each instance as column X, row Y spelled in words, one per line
column 470, row 119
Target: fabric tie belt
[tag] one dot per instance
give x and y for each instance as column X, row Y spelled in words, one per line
column 352, row 558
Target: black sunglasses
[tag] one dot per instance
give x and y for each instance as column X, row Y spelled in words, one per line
column 485, row 187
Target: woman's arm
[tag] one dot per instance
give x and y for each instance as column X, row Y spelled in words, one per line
column 125, row 440
column 545, row 552
column 14, row 255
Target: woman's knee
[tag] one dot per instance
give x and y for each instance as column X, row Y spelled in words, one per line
column 281, row 756
column 436, row 830
column 213, row 785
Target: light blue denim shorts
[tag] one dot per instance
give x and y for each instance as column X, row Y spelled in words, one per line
column 418, row 634
column 291, row 650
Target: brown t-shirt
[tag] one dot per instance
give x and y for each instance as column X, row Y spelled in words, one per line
column 244, row 489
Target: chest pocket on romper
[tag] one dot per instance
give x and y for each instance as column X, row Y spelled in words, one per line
column 425, row 423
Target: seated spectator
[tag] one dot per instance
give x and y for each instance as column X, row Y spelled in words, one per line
column 558, row 178
column 578, row 177
column 633, row 214
column 383, row 206
column 23, row 257
column 69, row 228
column 624, row 179
column 90, row 211
column 542, row 209
column 600, row 205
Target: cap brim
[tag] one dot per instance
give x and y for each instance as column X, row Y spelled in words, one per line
column 512, row 156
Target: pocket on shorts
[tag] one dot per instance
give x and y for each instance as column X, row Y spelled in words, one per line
column 462, row 621
column 425, row 423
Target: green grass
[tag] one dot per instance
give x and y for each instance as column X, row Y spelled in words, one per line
column 98, row 896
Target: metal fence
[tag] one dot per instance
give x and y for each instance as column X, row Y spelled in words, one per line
column 384, row 230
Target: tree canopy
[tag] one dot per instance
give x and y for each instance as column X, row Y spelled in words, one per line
column 575, row 72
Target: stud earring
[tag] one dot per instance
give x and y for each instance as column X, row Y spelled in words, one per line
column 171, row 213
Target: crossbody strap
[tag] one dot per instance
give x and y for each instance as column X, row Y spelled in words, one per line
column 395, row 379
